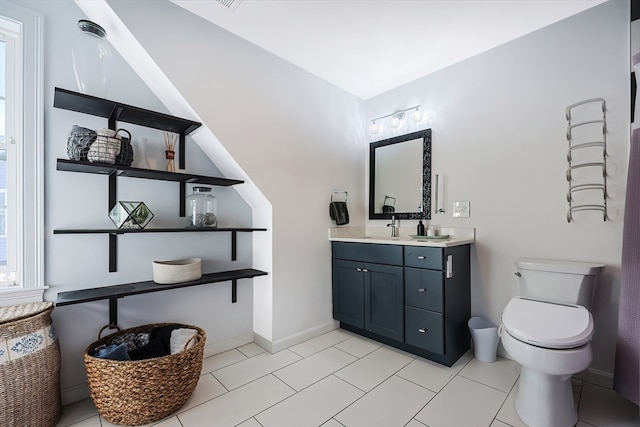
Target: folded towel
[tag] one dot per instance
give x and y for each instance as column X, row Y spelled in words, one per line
column 154, row 348
column 339, row 213
column 114, row 352
column 180, row 337
column 164, row 334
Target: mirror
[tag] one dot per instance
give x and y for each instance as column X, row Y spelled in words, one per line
column 400, row 177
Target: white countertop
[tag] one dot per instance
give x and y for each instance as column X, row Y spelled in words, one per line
column 382, row 235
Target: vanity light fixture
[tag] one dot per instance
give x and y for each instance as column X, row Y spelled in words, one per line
column 397, row 117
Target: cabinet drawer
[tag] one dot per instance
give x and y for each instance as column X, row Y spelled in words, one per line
column 368, row 252
column 423, row 288
column 422, row 257
column 424, row 329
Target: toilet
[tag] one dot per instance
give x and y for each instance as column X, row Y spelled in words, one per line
column 547, row 330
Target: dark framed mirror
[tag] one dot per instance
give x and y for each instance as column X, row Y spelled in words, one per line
column 400, row 177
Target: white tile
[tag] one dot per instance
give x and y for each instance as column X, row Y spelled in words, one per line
column 501, row 374
column 507, row 413
column 319, row 343
column 332, row 423
column 171, row 422
column 374, row 368
column 431, row 375
column 208, row 388
column 462, row 403
column 314, row 368
column 359, row 347
column 238, row 405
column 392, row 403
column 241, row 373
column 221, row 360
column 251, row 349
column 89, row 422
column 76, row 412
column 414, row 423
column 312, row 406
column 604, row 407
column 497, row 423
column 251, row 422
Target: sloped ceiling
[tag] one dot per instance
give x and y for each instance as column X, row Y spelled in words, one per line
column 368, row 47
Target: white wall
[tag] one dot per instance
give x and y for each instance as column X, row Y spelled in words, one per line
column 295, row 135
column 498, row 122
column 75, row 200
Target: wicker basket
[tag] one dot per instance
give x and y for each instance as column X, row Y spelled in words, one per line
column 136, row 392
column 29, row 366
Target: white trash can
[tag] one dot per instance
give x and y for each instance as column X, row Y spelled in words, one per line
column 485, row 339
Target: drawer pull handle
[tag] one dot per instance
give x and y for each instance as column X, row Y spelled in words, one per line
column 422, row 330
column 422, row 290
column 422, row 257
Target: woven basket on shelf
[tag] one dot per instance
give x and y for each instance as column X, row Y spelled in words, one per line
column 29, row 366
column 136, row 392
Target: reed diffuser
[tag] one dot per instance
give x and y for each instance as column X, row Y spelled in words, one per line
column 170, row 140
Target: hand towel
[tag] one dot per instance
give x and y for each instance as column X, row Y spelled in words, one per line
column 339, row 213
column 180, row 337
column 114, row 352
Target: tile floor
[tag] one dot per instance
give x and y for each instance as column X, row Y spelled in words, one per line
column 340, row 379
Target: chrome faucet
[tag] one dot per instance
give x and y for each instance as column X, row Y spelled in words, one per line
column 394, row 226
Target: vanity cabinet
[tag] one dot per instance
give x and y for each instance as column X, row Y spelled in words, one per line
column 415, row 298
column 368, row 288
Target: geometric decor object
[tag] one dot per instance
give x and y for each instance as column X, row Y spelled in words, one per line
column 130, row 215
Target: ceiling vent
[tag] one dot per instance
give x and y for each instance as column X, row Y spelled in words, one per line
column 230, row 4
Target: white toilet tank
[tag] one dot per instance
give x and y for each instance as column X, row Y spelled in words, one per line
column 569, row 282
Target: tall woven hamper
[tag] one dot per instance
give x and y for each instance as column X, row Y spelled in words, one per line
column 29, row 367
column 137, row 392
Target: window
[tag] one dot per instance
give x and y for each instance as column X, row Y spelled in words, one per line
column 21, row 152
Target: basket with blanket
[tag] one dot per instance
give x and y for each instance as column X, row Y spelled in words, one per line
column 140, row 375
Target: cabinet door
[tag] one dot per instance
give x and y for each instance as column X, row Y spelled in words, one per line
column 348, row 292
column 384, row 300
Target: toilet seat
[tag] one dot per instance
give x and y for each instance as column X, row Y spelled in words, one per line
column 547, row 324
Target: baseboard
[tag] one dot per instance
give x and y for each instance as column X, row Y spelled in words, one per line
column 228, row 344
column 75, row 393
column 263, row 342
column 291, row 340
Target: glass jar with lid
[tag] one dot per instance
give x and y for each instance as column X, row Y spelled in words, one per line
column 201, row 208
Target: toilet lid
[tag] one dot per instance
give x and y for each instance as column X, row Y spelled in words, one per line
column 547, row 324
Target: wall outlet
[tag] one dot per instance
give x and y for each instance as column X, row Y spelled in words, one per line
column 461, row 210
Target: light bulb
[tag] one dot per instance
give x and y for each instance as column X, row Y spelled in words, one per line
column 374, row 128
column 396, row 119
column 417, row 115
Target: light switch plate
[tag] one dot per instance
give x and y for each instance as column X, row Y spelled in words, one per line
column 461, row 210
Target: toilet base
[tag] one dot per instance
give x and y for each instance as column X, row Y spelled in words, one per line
column 544, row 400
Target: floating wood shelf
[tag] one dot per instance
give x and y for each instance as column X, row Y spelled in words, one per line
column 115, row 171
column 114, row 292
column 113, row 235
column 118, row 112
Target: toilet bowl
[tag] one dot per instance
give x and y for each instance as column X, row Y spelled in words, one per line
column 551, row 342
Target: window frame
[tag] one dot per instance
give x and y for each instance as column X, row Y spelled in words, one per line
column 29, row 141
